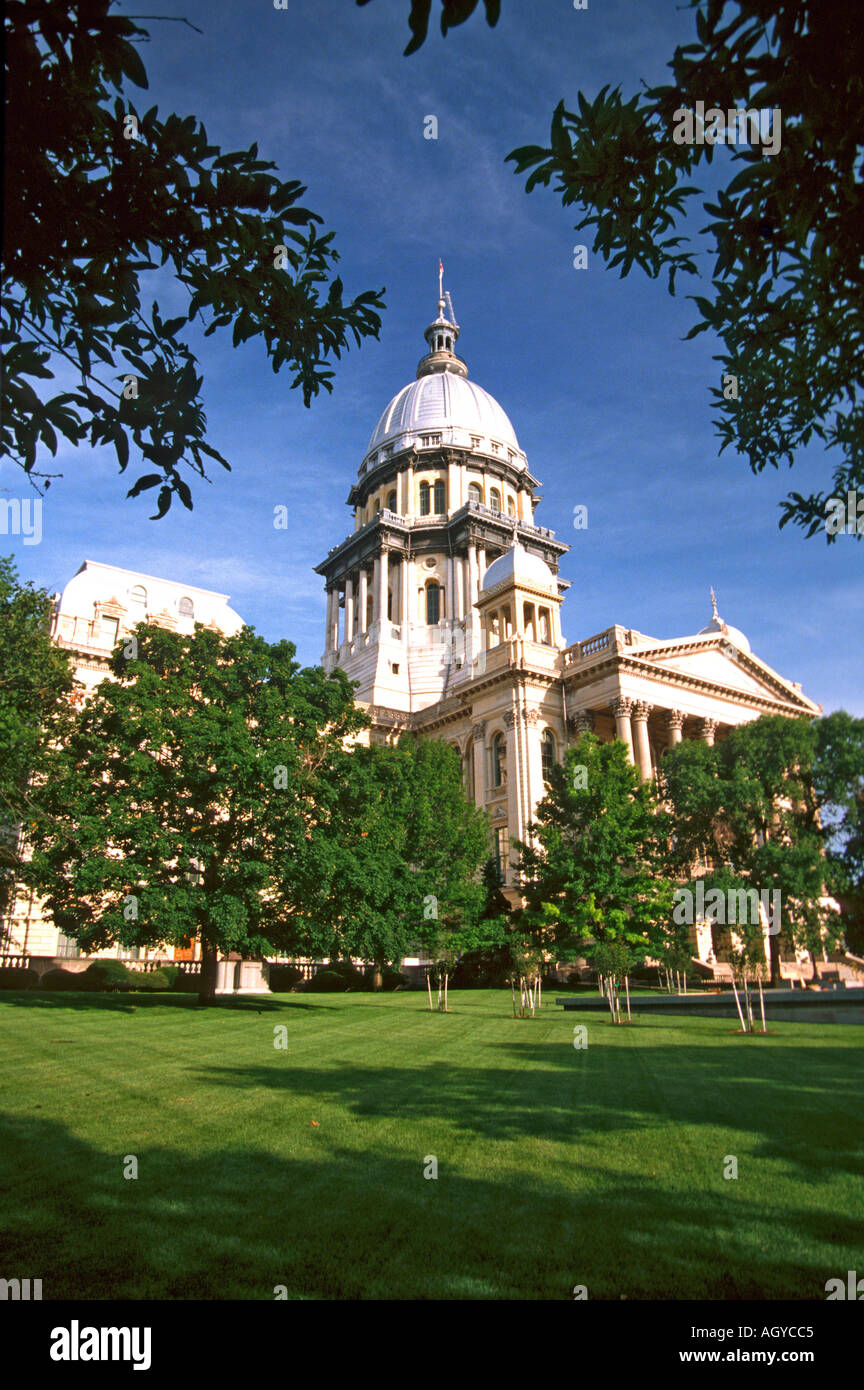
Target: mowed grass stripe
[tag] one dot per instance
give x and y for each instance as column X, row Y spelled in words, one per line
column 556, row 1166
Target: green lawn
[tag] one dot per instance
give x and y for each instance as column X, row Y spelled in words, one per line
column 304, row 1167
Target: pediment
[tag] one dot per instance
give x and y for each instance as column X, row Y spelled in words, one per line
column 719, row 662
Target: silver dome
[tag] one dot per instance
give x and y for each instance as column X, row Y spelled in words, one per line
column 450, row 405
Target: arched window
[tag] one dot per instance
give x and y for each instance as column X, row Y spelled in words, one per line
column 433, row 603
column 474, row 493
column 138, row 595
column 440, row 499
column 449, row 344
column 186, row 608
column 391, row 502
column 547, row 753
column 495, row 500
column 424, row 499
column 511, row 507
column 499, row 760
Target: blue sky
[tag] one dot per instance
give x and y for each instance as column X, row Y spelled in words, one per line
column 610, row 405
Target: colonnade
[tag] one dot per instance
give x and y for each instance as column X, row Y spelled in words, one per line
column 460, row 582
column 631, row 727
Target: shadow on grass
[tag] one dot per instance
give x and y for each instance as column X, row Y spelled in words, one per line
column 338, row 1224
column 83, row 1001
column 799, row 1103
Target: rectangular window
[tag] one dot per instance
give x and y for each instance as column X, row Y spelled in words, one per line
column 108, row 628
column 502, row 853
column 67, row 948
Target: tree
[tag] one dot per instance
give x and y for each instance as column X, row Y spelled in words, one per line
column 184, row 793
column 747, row 811
column 104, row 193
column 391, row 864
column 838, row 773
column 787, row 294
column 596, row 854
column 453, row 12
column 36, row 684
column 615, row 960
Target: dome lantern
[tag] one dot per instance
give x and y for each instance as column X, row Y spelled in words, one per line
column 441, row 336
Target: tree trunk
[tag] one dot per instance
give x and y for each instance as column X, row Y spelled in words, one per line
column 774, row 959
column 738, row 1004
column 429, row 988
column 377, row 978
column 209, row 974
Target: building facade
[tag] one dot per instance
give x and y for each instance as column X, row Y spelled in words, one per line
column 98, row 608
column 444, row 605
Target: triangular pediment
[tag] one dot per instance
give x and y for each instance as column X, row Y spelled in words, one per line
column 716, row 661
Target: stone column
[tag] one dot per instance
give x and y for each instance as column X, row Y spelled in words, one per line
column 454, row 487
column 581, row 723
column 481, row 566
column 363, row 599
column 459, row 587
column 332, row 631
column 641, row 711
column 376, row 589
column 473, row 582
column 514, row 773
column 534, row 785
column 674, row 726
column 479, row 733
column 450, row 590
column 349, row 609
column 409, row 489
column 622, row 708
column 383, row 585
column 708, row 728
column 405, row 595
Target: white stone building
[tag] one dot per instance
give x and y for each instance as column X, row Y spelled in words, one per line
column 99, row 607
column 444, row 604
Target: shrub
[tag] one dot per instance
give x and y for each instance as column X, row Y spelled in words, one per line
column 18, row 977
column 393, row 979
column 109, row 975
column 329, row 982
column 485, row 969
column 61, row 979
column 284, row 978
column 184, row 982
column 151, row 980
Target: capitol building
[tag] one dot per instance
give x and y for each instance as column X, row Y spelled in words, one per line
column 444, row 605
